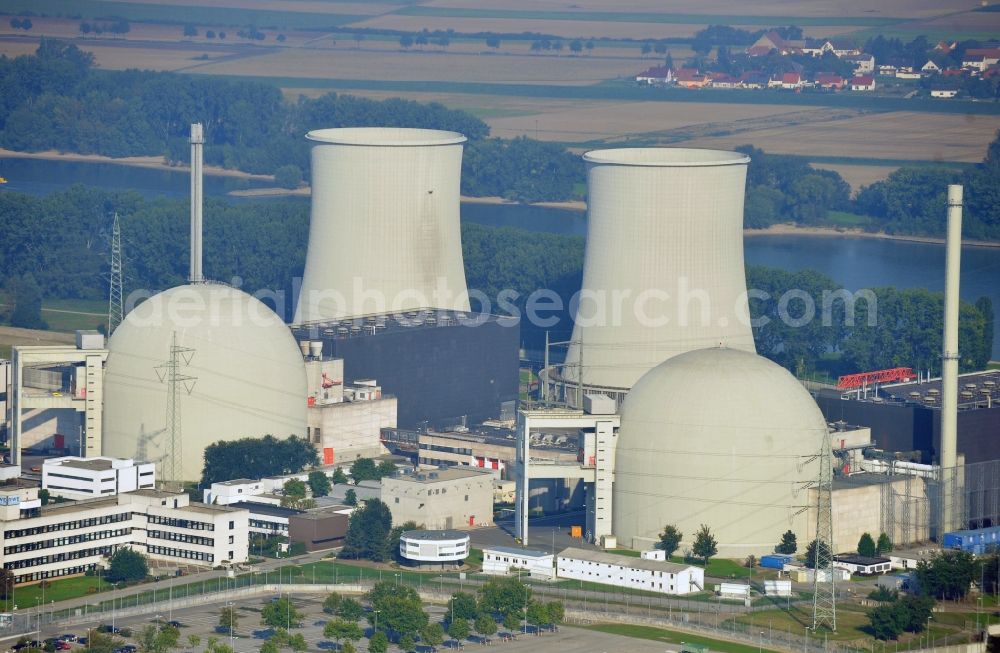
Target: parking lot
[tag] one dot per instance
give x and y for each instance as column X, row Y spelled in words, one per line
column 250, row 634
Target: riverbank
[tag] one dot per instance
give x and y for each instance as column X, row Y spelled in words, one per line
column 575, row 206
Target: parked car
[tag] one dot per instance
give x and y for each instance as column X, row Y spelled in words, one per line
column 63, row 645
column 175, row 624
column 83, row 640
column 128, row 648
column 68, row 637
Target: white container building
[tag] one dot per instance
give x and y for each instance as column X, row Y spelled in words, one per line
column 506, row 560
column 631, row 573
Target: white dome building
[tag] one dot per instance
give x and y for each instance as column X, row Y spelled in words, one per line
column 721, row 437
column 248, row 375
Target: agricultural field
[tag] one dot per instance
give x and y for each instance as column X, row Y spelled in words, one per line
column 426, row 66
column 859, row 175
column 893, row 135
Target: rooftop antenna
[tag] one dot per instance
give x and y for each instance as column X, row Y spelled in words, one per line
column 197, row 144
column 116, row 311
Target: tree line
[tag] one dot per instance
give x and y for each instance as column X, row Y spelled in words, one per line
column 55, row 99
column 59, row 243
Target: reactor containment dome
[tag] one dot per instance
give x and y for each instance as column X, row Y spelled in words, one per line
column 720, row 437
column 239, row 361
column 384, row 232
column 663, row 270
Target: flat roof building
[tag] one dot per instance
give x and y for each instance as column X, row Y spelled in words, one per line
column 503, row 560
column 73, row 477
column 441, row 499
column 434, row 548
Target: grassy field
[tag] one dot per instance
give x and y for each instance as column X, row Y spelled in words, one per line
column 198, row 14
column 57, row 590
column 644, row 17
column 674, row 637
column 844, row 219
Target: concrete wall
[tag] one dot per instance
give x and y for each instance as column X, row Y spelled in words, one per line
column 352, row 429
column 318, row 533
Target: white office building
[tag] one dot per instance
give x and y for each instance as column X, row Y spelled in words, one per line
column 72, row 477
column 506, row 560
column 633, row 573
column 435, row 549
column 40, row 542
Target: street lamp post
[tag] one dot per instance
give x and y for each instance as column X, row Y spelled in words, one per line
column 232, row 609
column 760, row 643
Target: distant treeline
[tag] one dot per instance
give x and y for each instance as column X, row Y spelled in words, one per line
column 62, row 240
column 56, row 100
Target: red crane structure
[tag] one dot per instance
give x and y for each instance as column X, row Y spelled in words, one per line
column 852, row 381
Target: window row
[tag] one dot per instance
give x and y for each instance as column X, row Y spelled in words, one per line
column 60, row 557
column 181, row 523
column 74, row 525
column 181, row 537
column 180, row 553
column 65, row 541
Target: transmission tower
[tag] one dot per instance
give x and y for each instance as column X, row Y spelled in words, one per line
column 824, row 590
column 115, row 305
column 170, row 373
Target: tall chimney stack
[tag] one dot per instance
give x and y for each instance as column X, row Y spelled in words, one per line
column 948, row 456
column 197, row 143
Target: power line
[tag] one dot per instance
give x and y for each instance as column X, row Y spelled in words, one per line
column 115, row 303
column 169, row 372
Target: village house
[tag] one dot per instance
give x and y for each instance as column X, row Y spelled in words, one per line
column 769, row 42
column 829, row 81
column 864, row 64
column 690, row 78
column 862, row 83
column 655, row 75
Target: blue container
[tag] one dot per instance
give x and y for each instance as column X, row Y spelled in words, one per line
column 775, row 561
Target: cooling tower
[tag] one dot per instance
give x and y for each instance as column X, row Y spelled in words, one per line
column 384, row 232
column 663, row 271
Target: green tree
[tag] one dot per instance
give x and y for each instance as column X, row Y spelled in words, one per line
column 99, row 642
column 126, row 565
column 947, row 575
column 886, row 622
column 398, row 607
column 351, row 497
column 27, row 298
column 319, row 484
column 270, row 646
column 364, row 469
column 332, row 603
column 884, row 545
column 406, row 643
column 339, row 629
column 157, row 639
column 280, row 613
column 866, row 546
column 194, row 641
column 190, row 30
column 339, row 477
column 228, row 619
column 44, row 496
column 378, row 643
column 512, row 621
column 297, row 642
column 704, row 545
column 557, row 612
column 432, row 635
column 458, row 629
column 812, row 550
column 294, row 488
column 256, row 458
column 504, row 595
column 485, row 625
column 350, row 609
column 368, row 532
column 462, row 605
column 348, row 647
column 406, row 41
column 288, row 176
column 537, row 614
column 576, row 46
column 788, row 544
column 6, row 584
column 670, row 539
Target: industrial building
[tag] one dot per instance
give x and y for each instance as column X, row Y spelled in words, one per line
column 442, row 499
column 645, row 574
column 42, row 542
column 384, row 231
column 72, row 477
column 345, row 422
column 320, row 529
column 434, row 549
column 443, row 367
column 197, row 364
column 664, row 235
column 55, row 399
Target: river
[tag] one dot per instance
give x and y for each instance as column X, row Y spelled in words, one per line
column 852, row 261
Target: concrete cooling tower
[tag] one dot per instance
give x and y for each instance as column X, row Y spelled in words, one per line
column 663, row 271
column 384, row 233
column 720, row 437
column 245, row 370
